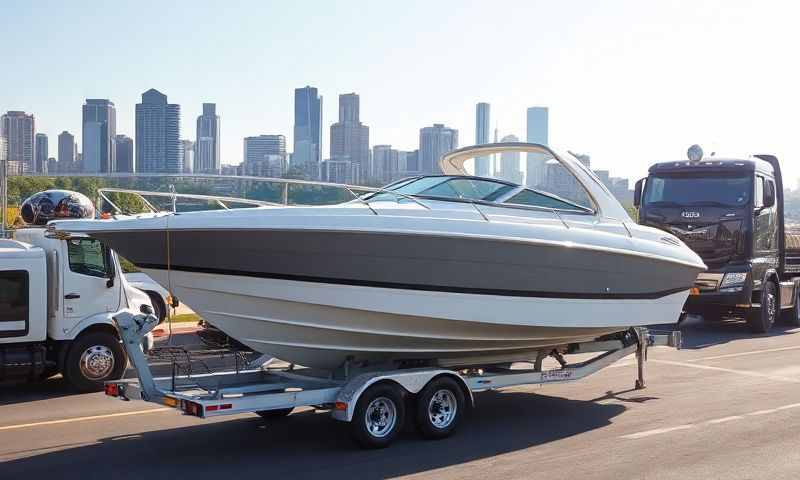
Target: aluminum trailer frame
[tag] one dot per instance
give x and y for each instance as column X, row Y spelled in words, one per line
column 259, row 388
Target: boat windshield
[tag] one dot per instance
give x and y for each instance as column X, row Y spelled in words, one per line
column 462, row 188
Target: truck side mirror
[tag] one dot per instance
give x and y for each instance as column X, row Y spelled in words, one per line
column 637, row 193
column 769, row 194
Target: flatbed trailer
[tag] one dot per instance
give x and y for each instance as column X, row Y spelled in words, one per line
column 374, row 400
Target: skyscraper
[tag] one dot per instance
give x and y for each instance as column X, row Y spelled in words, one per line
column 41, row 153
column 158, row 145
column 509, row 163
column 349, row 137
column 19, row 130
column 265, row 156
column 66, row 152
column 124, row 154
column 385, row 163
column 434, row 142
column 99, row 131
column 207, row 158
column 307, row 150
column 482, row 121
column 537, row 133
column 189, row 156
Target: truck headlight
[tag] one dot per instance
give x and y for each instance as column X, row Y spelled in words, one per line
column 733, row 281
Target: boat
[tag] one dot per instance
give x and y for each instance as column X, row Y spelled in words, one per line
column 447, row 268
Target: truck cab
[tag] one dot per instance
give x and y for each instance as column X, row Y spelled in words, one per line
column 730, row 212
column 57, row 299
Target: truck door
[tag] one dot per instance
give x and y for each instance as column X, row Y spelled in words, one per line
column 765, row 224
column 86, row 278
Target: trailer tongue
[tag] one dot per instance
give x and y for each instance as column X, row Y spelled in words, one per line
column 372, row 399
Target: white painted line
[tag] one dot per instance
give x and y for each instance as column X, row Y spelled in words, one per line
column 657, row 431
column 745, row 373
column 743, row 354
column 762, row 412
column 725, row 419
column 83, row 419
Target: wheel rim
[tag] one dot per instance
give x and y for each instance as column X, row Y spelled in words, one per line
column 771, row 307
column 380, row 417
column 442, row 408
column 97, row 362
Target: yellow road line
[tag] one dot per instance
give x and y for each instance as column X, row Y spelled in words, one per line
column 83, row 419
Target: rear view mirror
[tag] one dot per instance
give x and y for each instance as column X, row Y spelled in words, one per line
column 769, row 194
column 637, row 193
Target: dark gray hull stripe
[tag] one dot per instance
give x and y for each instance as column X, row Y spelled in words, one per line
column 422, row 287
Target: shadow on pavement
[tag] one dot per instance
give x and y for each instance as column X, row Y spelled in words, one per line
column 308, row 445
column 699, row 333
column 21, row 392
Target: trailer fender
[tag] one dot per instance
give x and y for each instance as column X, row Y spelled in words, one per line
column 412, row 380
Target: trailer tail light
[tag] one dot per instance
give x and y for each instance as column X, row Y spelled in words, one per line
column 112, row 389
column 224, row 406
column 191, row 408
column 340, row 406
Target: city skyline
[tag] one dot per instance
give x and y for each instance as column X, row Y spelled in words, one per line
column 635, row 84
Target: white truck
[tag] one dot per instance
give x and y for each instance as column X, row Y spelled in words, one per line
column 57, row 299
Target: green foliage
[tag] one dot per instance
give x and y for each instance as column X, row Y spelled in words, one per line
column 127, row 266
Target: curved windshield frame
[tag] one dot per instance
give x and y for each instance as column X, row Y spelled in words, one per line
column 448, row 188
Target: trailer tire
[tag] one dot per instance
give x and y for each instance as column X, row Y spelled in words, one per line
column 762, row 319
column 792, row 316
column 379, row 416
column 93, row 359
column 440, row 408
column 275, row 414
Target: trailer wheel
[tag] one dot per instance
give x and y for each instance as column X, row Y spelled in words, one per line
column 378, row 416
column 439, row 409
column 792, row 316
column 93, row 359
column 761, row 320
column 275, row 414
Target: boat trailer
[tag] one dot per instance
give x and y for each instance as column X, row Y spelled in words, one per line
column 371, row 398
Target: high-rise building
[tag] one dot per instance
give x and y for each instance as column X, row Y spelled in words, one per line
column 537, row 120
column 482, row 120
column 307, row 151
column 385, row 163
column 67, row 153
column 3, row 149
column 339, row 171
column 124, row 154
column 409, row 162
column 207, row 158
column 265, row 156
column 41, row 153
column 189, row 156
column 509, row 163
column 349, row 137
column 52, row 165
column 99, row 132
column 158, row 128
column 19, row 130
column 434, row 142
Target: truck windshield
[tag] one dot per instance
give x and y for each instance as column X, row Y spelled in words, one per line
column 683, row 190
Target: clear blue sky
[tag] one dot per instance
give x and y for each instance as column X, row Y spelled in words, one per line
column 628, row 82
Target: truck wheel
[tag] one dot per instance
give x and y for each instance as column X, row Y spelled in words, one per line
column 792, row 316
column 92, row 359
column 378, row 416
column 274, row 414
column 761, row 320
column 159, row 309
column 440, row 407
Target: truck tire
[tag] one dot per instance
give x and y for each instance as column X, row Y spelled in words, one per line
column 762, row 319
column 379, row 416
column 439, row 409
column 792, row 316
column 159, row 309
column 93, row 359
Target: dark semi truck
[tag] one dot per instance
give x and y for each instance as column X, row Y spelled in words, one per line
column 730, row 212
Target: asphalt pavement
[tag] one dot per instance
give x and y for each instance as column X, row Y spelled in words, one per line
column 726, row 406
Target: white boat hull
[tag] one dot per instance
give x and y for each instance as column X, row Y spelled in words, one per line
column 323, row 325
